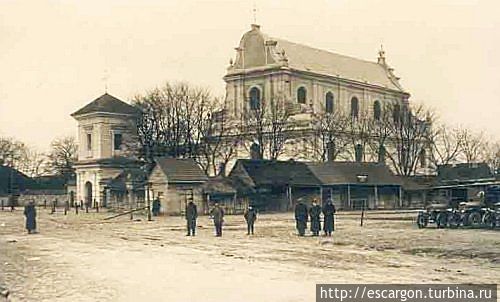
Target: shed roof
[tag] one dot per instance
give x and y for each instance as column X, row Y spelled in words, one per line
column 276, row 173
column 367, row 173
column 463, row 172
column 219, row 185
column 181, row 170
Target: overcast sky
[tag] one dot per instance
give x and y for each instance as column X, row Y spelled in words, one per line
column 54, row 54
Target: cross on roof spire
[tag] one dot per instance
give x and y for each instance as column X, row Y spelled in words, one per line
column 381, row 55
column 254, row 10
column 105, row 78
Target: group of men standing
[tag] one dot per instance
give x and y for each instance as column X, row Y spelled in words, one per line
column 217, row 215
column 302, row 215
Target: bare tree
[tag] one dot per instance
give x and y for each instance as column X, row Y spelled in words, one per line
column 328, row 139
column 62, row 156
column 12, row 152
column 359, row 131
column 170, row 121
column 445, row 144
column 473, row 145
column 410, row 128
column 270, row 125
column 221, row 139
column 182, row 121
column 381, row 130
column 492, row 156
column 34, row 163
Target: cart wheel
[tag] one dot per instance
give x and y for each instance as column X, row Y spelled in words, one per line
column 474, row 219
column 441, row 220
column 453, row 221
column 422, row 221
column 489, row 220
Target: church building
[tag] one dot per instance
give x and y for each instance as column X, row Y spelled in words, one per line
column 105, row 171
column 310, row 80
column 314, row 79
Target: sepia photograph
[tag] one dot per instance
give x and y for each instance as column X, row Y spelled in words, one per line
column 257, row 150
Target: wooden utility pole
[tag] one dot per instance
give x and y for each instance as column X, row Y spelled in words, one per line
column 149, row 202
column 363, row 211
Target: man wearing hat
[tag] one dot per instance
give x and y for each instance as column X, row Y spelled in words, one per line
column 328, row 214
column 301, row 217
column 250, row 217
column 314, row 214
column 30, row 213
column 217, row 214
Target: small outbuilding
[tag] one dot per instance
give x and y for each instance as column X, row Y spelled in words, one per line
column 175, row 182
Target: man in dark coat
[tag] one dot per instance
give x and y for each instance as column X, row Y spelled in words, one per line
column 30, row 213
column 314, row 214
column 191, row 215
column 301, row 218
column 217, row 214
column 250, row 217
column 156, row 207
column 328, row 213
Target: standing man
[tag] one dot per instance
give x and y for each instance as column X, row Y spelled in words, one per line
column 217, row 214
column 191, row 215
column 301, row 217
column 314, row 214
column 250, row 217
column 328, row 213
column 53, row 210
column 30, row 213
column 156, row 207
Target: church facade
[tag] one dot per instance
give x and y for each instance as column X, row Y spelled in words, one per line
column 265, row 67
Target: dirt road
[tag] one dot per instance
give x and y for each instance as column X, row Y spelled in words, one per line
column 83, row 258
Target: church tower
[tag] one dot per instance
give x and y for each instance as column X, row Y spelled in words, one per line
column 105, row 126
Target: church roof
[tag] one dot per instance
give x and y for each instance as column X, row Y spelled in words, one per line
column 108, row 104
column 305, row 58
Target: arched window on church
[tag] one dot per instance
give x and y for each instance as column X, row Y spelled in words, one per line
column 254, row 98
column 354, row 107
column 381, row 154
column 396, row 113
column 358, row 152
column 329, row 102
column 423, row 158
column 301, row 95
column 377, row 111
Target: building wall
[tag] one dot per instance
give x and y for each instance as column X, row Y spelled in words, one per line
column 102, row 128
column 93, row 175
column 174, row 196
column 285, row 84
column 386, row 198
